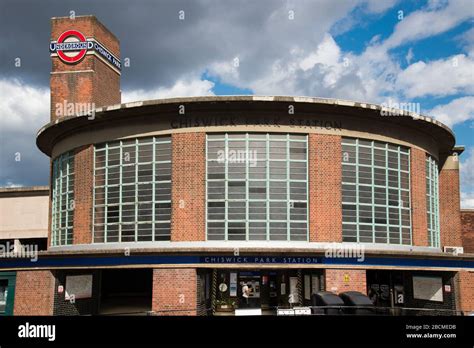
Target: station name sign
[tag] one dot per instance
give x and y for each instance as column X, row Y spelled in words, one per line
column 262, row 259
column 72, row 46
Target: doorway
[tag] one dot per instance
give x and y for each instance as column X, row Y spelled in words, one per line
column 7, row 292
column 126, row 291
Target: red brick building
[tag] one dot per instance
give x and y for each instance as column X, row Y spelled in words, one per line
column 175, row 205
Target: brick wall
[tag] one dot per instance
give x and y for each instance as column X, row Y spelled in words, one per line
column 325, row 172
column 83, row 193
column 34, row 293
column 93, row 81
column 467, row 228
column 336, row 280
column 175, row 291
column 449, row 208
column 418, row 197
column 466, row 291
column 188, row 194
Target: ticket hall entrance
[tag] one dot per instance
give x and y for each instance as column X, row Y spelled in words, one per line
column 267, row 289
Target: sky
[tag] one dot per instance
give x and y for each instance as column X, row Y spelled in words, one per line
column 376, row 51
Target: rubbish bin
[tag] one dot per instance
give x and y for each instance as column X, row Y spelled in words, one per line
column 361, row 303
column 326, row 298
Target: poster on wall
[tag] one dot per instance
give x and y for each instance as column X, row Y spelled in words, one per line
column 307, row 287
column 233, row 284
column 428, row 288
column 315, row 284
column 294, row 298
column 79, row 286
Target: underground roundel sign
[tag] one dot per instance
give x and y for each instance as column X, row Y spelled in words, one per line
column 71, row 46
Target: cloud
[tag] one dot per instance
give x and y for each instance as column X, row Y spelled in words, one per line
column 182, row 88
column 377, row 6
column 409, row 56
column 23, row 109
column 454, row 112
column 437, row 18
column 467, row 200
column 422, row 79
column 467, row 178
column 467, row 169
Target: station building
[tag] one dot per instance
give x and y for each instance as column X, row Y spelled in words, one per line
column 168, row 206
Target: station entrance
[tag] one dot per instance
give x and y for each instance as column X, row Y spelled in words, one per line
column 267, row 289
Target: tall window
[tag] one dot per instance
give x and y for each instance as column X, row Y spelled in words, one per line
column 257, row 187
column 375, row 192
column 132, row 190
column 432, row 202
column 63, row 200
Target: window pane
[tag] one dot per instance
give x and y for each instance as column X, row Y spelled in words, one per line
column 375, row 192
column 258, row 189
column 136, row 174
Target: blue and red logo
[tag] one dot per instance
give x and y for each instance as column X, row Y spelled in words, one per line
column 71, row 46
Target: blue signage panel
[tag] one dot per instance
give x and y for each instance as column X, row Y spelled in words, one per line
column 105, row 261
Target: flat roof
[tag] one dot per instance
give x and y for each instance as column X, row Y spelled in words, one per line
column 52, row 132
column 24, row 191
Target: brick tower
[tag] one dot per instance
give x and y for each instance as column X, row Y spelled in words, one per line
column 86, row 66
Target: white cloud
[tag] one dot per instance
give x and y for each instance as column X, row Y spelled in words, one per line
column 182, row 88
column 467, row 200
column 327, row 53
column 379, row 6
column 23, row 109
column 409, row 56
column 456, row 111
column 467, row 178
column 467, row 168
column 433, row 20
column 442, row 77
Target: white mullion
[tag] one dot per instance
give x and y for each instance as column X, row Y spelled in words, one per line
column 372, row 155
column 153, row 185
column 93, row 194
column 136, row 191
column 106, row 192
column 226, row 187
column 288, row 198
column 247, row 187
column 120, row 206
column 387, row 200
column 409, row 196
column 206, row 188
column 357, row 189
column 400, row 228
column 267, row 165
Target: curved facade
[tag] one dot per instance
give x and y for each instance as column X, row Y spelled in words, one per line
column 244, row 169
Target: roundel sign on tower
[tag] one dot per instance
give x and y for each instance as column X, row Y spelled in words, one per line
column 71, row 46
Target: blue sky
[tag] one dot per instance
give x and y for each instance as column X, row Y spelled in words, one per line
column 366, row 50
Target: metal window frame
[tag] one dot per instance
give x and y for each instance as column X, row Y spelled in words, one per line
column 432, row 196
column 154, row 142
column 246, row 137
column 357, row 185
column 61, row 235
